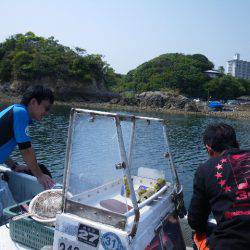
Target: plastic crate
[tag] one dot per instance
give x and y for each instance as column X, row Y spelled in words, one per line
column 27, row 231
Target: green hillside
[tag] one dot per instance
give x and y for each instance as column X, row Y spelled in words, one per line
column 26, row 59
column 31, row 57
column 184, row 73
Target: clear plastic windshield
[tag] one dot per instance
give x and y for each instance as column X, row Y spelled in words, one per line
column 95, row 176
column 149, row 149
column 94, row 153
column 149, row 167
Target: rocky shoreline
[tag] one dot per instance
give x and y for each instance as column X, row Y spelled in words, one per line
column 108, row 106
column 122, row 105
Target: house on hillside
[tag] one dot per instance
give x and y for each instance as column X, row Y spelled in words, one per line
column 212, row 73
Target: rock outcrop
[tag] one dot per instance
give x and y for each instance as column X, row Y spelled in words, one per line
column 96, row 91
column 158, row 99
column 63, row 89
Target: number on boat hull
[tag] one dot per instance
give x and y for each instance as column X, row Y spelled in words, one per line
column 65, row 244
column 111, row 241
column 88, row 235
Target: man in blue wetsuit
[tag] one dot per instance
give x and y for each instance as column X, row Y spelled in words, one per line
column 14, row 122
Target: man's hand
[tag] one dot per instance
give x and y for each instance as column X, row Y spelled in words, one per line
column 45, row 181
column 30, row 159
column 11, row 164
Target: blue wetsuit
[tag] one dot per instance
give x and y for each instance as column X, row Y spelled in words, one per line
column 14, row 122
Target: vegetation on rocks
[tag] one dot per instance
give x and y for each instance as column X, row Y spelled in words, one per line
column 175, row 71
column 30, row 58
column 185, row 73
column 27, row 59
column 226, row 87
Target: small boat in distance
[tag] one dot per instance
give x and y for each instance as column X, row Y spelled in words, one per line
column 215, row 105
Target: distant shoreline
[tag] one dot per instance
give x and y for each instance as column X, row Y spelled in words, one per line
column 239, row 114
column 108, row 106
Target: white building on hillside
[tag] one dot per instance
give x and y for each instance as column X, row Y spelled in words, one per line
column 238, row 68
column 213, row 73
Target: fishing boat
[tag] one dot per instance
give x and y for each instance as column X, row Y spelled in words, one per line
column 125, row 196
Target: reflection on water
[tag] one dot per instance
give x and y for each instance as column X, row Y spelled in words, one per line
column 185, row 138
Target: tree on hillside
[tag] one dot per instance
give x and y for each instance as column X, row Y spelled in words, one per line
column 5, row 70
column 22, row 65
column 174, row 71
column 30, row 57
column 221, row 69
column 225, row 87
column 202, row 62
column 246, row 85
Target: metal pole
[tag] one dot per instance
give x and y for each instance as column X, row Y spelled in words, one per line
column 66, row 175
column 127, row 172
column 124, row 159
column 170, row 159
column 132, row 142
column 122, row 116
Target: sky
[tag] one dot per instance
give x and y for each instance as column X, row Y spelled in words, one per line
column 130, row 32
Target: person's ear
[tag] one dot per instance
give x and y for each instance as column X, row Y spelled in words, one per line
column 209, row 150
column 33, row 101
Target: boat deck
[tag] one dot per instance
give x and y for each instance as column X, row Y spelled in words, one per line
column 24, row 183
column 8, row 243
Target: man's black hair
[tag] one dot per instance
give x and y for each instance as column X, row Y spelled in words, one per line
column 38, row 92
column 220, row 137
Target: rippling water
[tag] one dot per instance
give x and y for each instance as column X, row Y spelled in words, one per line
column 185, row 132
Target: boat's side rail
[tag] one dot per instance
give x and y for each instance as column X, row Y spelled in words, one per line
column 22, row 186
